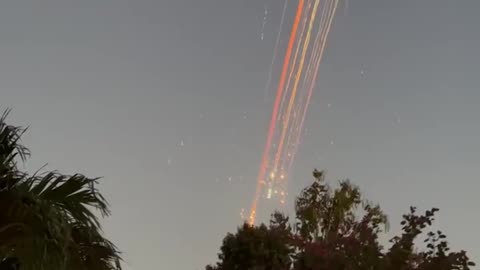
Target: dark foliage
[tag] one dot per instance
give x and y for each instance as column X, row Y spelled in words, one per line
column 47, row 219
column 336, row 229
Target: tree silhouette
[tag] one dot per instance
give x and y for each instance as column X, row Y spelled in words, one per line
column 47, row 219
column 259, row 247
column 337, row 229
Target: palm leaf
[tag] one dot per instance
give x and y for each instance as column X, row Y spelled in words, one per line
column 47, row 221
column 75, row 195
column 90, row 250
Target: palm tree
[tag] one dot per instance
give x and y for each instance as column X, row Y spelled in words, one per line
column 47, row 220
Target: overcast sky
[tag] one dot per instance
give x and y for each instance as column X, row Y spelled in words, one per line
column 165, row 100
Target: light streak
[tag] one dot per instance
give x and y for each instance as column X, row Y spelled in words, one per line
column 263, row 167
column 297, row 82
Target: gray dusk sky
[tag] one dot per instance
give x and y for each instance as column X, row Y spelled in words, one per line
column 165, row 100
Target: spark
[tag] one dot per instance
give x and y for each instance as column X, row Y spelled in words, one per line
column 362, row 71
column 264, row 22
column 397, row 120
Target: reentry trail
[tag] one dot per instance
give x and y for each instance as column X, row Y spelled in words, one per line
column 313, row 18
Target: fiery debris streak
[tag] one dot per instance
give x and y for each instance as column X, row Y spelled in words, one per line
column 295, row 88
column 263, row 167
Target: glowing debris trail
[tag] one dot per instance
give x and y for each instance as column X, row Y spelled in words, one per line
column 295, row 88
column 296, row 129
column 263, row 167
column 294, row 62
column 325, row 24
column 322, row 37
column 311, row 78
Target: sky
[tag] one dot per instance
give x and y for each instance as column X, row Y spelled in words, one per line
column 165, row 100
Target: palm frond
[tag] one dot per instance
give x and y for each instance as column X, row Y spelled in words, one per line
column 75, row 195
column 34, row 233
column 10, row 149
column 9, row 139
column 47, row 221
column 89, row 250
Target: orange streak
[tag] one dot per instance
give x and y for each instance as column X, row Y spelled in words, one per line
column 273, row 121
column 323, row 37
column 295, row 87
column 294, row 62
